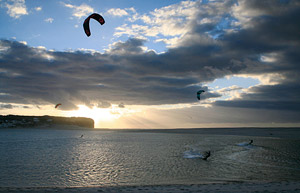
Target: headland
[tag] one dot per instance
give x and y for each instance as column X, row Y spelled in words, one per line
column 19, row 121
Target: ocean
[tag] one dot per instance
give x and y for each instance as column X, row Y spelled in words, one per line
column 81, row 158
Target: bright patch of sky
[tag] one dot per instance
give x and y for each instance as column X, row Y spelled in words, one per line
column 224, row 24
column 233, row 80
column 231, row 86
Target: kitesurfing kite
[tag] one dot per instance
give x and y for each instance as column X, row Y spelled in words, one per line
column 198, row 93
column 57, row 105
column 86, row 23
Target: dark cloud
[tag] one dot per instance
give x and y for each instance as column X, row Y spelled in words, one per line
column 128, row 73
column 6, row 106
column 10, row 106
column 79, row 77
column 267, row 34
column 284, row 96
column 132, row 46
column 229, row 115
column 269, row 7
column 263, row 104
column 276, row 31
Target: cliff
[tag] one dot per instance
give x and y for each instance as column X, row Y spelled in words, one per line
column 11, row 121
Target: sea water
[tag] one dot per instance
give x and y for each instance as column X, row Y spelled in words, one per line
column 68, row 158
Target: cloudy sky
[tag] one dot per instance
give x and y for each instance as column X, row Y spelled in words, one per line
column 144, row 66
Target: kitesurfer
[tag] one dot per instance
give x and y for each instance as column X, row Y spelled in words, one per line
column 207, row 154
column 251, row 141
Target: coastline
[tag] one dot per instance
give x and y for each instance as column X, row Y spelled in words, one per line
column 236, row 187
column 22, row 121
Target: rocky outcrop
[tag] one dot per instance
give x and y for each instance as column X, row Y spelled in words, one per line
column 11, row 121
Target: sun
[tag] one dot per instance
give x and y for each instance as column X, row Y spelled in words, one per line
column 97, row 114
column 112, row 117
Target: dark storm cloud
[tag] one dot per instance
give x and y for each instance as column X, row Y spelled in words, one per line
column 284, row 96
column 128, row 74
column 131, row 76
column 267, row 34
column 263, row 104
column 276, row 31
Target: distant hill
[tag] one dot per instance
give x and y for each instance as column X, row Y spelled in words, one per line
column 12, row 121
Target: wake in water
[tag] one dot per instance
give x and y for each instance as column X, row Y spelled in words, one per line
column 248, row 145
column 191, row 154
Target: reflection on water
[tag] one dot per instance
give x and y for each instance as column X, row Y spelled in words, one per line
column 64, row 158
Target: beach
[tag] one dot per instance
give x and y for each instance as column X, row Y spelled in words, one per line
column 237, row 187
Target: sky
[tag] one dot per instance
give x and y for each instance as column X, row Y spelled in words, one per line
column 144, row 66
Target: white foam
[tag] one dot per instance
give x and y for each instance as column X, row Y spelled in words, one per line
column 190, row 154
column 246, row 145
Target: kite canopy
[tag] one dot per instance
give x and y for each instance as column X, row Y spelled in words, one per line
column 57, row 105
column 86, row 23
column 199, row 93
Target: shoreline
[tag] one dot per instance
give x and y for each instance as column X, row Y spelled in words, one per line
column 237, row 187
